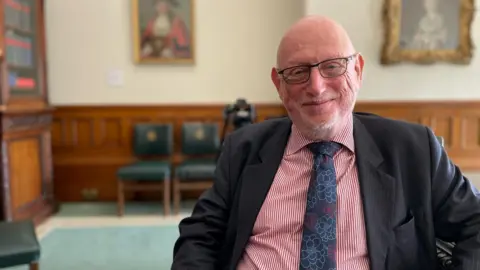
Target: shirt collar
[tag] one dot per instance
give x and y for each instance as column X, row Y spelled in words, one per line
column 345, row 137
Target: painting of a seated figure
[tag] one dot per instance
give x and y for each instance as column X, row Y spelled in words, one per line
column 430, row 24
column 428, row 31
column 163, row 31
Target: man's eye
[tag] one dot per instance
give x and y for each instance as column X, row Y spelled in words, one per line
column 332, row 66
column 298, row 71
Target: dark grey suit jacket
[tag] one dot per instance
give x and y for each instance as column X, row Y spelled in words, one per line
column 411, row 191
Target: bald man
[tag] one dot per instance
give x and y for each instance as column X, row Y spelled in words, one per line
column 327, row 188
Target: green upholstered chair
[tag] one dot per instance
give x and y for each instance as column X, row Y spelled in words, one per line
column 152, row 144
column 19, row 244
column 200, row 143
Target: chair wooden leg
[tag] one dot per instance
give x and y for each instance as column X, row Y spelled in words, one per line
column 176, row 195
column 166, row 197
column 120, row 198
column 34, row 266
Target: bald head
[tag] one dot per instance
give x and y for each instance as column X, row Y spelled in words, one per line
column 314, row 32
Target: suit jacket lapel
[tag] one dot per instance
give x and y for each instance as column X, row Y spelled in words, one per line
column 256, row 181
column 378, row 195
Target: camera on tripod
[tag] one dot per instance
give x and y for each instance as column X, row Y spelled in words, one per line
column 241, row 114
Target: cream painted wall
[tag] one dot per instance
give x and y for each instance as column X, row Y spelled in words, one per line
column 363, row 21
column 235, row 45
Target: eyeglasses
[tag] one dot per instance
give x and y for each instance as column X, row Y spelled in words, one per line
column 328, row 69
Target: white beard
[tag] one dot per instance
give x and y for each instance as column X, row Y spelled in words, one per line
column 323, row 131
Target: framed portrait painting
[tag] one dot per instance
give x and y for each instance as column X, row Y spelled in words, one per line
column 427, row 31
column 163, row 31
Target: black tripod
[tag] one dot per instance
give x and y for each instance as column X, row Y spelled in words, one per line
column 224, row 133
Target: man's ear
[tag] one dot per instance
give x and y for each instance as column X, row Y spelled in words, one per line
column 359, row 67
column 275, row 78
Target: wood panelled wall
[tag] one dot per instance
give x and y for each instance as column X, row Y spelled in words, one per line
column 457, row 122
column 91, row 142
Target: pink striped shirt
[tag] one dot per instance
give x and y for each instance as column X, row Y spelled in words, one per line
column 277, row 234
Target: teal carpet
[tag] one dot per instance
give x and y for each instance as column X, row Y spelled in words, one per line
column 108, row 248
column 106, row 209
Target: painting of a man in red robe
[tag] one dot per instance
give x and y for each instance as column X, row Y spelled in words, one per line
column 166, row 34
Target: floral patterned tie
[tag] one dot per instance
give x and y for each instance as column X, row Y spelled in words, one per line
column 319, row 229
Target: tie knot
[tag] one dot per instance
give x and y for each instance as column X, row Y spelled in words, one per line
column 324, row 148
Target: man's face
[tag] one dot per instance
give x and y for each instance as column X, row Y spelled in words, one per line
column 319, row 104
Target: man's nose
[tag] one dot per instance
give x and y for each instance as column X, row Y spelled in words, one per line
column 317, row 82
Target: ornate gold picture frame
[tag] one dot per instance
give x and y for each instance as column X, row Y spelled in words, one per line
column 163, row 31
column 427, row 31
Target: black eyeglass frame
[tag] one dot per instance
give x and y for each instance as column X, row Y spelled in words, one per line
column 347, row 59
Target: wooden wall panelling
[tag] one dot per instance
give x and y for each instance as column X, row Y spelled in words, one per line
column 91, row 142
column 458, row 122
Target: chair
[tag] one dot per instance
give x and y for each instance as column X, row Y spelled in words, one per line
column 19, row 244
column 444, row 249
column 200, row 143
column 150, row 142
